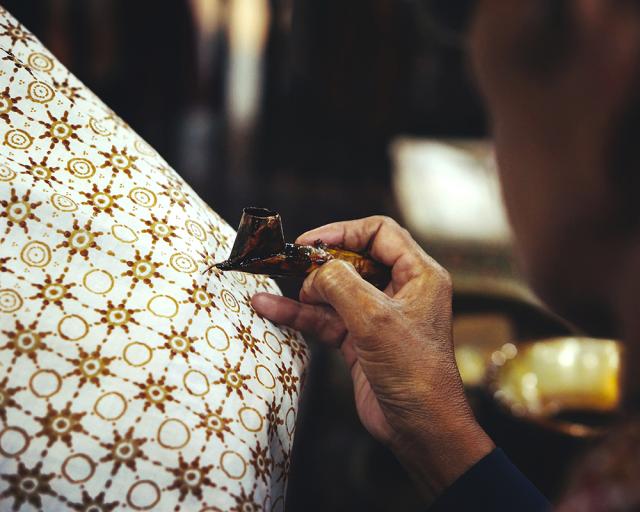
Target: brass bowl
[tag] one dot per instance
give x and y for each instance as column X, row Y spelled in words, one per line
column 558, row 382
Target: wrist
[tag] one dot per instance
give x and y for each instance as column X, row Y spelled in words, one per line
column 437, row 454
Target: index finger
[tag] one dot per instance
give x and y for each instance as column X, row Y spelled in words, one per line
column 385, row 240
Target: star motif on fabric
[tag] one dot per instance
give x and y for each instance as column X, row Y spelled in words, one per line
column 201, row 299
column 80, row 240
column 274, row 418
column 19, row 210
column 8, row 105
column 60, row 425
column 249, row 342
column 232, row 379
column 125, row 450
column 214, row 423
column 60, row 130
column 102, row 201
column 261, row 462
column 117, row 316
column 7, row 399
column 142, row 269
column 190, row 478
column 118, row 160
column 41, row 171
column 26, row 341
column 298, row 350
column 160, row 229
column 95, row 504
column 71, row 92
column 16, row 32
column 245, row 502
column 155, row 393
column 179, row 343
column 53, row 292
column 175, row 194
column 288, row 380
column 90, row 367
column 28, row 486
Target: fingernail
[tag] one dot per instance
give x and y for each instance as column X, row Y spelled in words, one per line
column 261, row 301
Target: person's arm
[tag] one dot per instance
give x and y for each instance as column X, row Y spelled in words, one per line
column 493, row 484
column 398, row 346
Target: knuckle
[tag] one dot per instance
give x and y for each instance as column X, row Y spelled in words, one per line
column 387, row 221
column 330, row 274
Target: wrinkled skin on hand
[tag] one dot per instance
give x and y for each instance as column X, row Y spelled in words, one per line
column 397, row 344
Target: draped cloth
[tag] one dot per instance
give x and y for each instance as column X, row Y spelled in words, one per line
column 129, row 378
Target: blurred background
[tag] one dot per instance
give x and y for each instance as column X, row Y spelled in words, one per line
column 327, row 110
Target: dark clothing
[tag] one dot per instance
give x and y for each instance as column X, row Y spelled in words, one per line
column 493, row 484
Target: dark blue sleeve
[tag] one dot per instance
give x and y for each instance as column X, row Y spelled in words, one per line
column 493, row 484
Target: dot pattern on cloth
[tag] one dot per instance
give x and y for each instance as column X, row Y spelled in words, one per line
column 129, row 380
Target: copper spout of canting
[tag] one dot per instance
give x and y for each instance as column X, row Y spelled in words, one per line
column 260, row 248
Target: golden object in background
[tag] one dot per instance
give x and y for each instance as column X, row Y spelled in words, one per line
column 552, row 381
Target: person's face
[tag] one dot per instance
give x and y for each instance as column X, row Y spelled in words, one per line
column 553, row 95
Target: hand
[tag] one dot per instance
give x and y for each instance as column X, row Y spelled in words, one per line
column 397, row 344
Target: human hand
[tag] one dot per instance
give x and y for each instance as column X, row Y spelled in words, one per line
column 397, row 344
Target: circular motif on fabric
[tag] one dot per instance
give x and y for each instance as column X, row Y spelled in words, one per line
column 143, row 197
column 36, row 254
column 103, row 127
column 73, row 328
column 98, row 281
column 196, row 382
column 81, row 168
column 217, row 338
column 230, row 301
column 110, row 406
column 102, row 200
column 63, row 203
column 173, row 434
column 240, row 277
column 40, row 92
column 233, row 464
column 45, row 383
column 163, row 306
column 124, row 234
column 137, row 354
column 10, row 301
column 81, row 239
column 40, row 61
column 183, row 263
column 144, row 148
column 251, row 419
column 14, row 441
column 6, row 174
column 78, row 468
column 272, row 342
column 290, row 420
column 18, row 139
column 265, row 377
column 143, row 495
column 196, row 230
column 160, row 229
column 40, row 172
column 18, row 211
